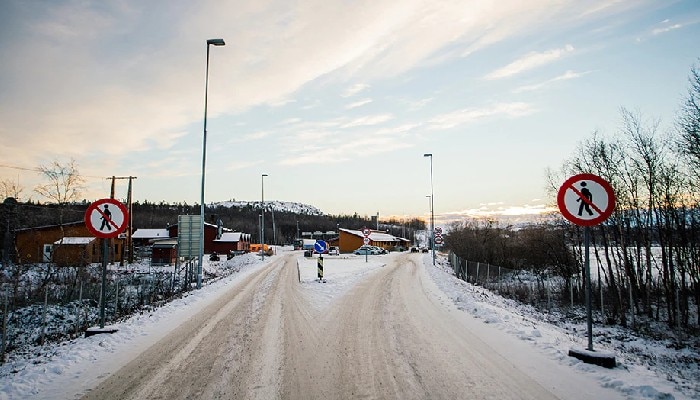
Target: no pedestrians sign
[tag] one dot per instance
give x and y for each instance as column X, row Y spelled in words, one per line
column 106, row 218
column 586, row 199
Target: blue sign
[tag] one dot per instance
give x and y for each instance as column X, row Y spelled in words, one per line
column 320, row 246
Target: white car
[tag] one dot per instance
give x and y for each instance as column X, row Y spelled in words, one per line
column 364, row 250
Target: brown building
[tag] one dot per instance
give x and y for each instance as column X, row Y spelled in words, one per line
column 231, row 242
column 67, row 244
column 349, row 240
column 164, row 252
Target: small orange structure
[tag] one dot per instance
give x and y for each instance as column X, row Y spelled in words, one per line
column 255, row 248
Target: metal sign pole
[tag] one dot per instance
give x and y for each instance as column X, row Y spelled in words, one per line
column 589, row 311
column 103, row 295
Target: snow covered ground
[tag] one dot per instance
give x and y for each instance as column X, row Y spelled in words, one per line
column 64, row 371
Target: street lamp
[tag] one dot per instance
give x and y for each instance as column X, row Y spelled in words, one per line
column 262, row 223
column 215, row 42
column 432, row 207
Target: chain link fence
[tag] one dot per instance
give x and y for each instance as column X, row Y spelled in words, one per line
column 542, row 290
column 41, row 303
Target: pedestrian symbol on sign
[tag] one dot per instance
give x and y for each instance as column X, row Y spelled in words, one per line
column 106, row 218
column 585, row 204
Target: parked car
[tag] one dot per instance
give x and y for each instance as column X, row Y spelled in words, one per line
column 333, row 251
column 364, row 250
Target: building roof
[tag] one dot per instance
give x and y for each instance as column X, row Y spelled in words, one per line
column 150, row 234
column 230, row 237
column 374, row 235
column 72, row 240
column 165, row 243
column 207, row 225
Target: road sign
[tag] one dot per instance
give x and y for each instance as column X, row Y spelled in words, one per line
column 366, row 232
column 586, row 199
column 106, row 218
column 438, row 231
column 365, row 240
column 438, row 240
column 189, row 229
column 320, row 246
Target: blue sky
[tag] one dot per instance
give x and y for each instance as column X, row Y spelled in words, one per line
column 336, row 101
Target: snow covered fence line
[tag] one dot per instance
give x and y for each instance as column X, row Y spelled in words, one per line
column 541, row 290
column 49, row 304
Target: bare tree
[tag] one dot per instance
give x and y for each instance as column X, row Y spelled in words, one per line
column 64, row 182
column 689, row 122
column 9, row 188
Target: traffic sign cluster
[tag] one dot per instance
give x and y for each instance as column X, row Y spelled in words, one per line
column 438, row 235
column 366, row 232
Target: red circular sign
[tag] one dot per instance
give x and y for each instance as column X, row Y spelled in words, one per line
column 586, row 199
column 366, row 232
column 106, row 218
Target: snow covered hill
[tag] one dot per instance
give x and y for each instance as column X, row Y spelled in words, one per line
column 276, row 205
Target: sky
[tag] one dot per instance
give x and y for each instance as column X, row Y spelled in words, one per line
column 336, row 101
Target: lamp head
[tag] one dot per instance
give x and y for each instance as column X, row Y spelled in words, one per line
column 216, row 42
column 428, row 155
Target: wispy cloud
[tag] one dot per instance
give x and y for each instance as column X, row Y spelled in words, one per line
column 355, row 89
column 566, row 76
column 241, row 165
column 530, row 61
column 468, row 115
column 250, row 137
column 358, row 103
column 368, row 120
column 659, row 31
column 343, row 151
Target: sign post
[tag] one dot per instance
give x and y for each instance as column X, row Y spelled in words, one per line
column 587, row 200
column 320, row 246
column 366, row 232
column 106, row 219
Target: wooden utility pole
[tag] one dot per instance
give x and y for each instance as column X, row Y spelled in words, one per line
column 129, row 227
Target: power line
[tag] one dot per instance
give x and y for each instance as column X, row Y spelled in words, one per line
column 38, row 170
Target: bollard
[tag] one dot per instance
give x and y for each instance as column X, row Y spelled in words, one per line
column 320, row 267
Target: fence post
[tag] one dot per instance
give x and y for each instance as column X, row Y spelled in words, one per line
column 4, row 325
column 571, row 291
column 500, row 284
column 80, row 308
column 43, row 314
column 116, row 299
column 631, row 303
column 476, row 277
column 602, row 306
column 488, row 272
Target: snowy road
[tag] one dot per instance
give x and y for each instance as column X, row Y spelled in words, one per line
column 389, row 336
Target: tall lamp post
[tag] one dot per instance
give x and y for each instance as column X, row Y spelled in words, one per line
column 215, row 42
column 432, row 207
column 262, row 211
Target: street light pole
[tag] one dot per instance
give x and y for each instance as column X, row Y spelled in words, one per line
column 215, row 42
column 262, row 211
column 432, row 207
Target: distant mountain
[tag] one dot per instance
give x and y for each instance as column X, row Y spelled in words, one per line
column 281, row 206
